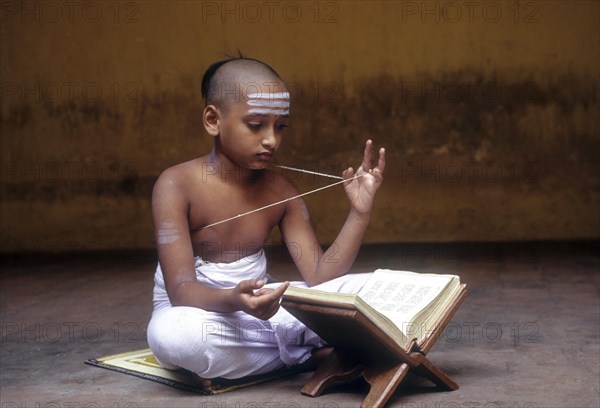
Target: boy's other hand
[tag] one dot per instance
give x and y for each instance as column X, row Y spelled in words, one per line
column 252, row 298
column 361, row 190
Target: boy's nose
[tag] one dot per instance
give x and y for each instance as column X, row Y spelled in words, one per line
column 269, row 140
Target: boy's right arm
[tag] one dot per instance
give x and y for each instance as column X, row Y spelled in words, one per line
column 170, row 206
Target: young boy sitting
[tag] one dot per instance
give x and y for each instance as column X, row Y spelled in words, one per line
column 213, row 313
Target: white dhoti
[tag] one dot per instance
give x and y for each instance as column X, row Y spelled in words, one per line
column 232, row 345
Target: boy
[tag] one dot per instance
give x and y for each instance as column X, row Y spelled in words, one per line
column 213, row 314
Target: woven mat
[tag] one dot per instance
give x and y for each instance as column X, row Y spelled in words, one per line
column 143, row 364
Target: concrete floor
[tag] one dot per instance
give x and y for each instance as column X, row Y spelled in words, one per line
column 527, row 336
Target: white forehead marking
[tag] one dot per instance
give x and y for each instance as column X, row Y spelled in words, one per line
column 269, row 103
column 267, row 111
column 269, row 95
column 273, row 103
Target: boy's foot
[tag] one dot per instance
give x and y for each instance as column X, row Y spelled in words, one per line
column 318, row 356
column 207, row 385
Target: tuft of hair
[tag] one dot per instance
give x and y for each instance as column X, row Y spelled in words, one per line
column 209, row 75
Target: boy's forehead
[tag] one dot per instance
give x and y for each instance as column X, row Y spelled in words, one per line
column 269, row 103
column 257, row 97
column 260, row 96
column 239, row 86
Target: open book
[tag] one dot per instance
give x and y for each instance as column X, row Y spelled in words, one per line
column 404, row 305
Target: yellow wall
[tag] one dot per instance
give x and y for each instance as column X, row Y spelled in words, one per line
column 488, row 109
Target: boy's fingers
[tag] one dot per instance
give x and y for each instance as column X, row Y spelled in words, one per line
column 381, row 161
column 263, row 291
column 347, row 174
column 272, row 294
column 269, row 302
column 276, row 294
column 367, row 156
column 250, row 284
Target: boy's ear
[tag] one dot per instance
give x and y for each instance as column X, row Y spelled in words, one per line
column 211, row 120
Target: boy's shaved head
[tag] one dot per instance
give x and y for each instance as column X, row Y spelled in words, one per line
column 232, row 80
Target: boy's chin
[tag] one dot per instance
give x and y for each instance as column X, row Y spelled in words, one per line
column 260, row 165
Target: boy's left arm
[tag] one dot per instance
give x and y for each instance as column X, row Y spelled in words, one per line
column 315, row 265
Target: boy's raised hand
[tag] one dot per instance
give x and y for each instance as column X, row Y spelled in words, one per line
column 252, row 298
column 361, row 190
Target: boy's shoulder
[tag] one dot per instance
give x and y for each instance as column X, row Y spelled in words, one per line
column 180, row 177
column 182, row 171
column 200, row 172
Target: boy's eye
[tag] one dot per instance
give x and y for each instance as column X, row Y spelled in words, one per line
column 254, row 125
column 281, row 126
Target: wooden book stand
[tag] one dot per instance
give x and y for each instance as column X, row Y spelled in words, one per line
column 363, row 349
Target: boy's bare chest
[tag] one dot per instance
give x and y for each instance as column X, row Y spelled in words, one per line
column 239, row 237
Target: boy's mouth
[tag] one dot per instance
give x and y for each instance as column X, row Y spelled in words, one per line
column 265, row 156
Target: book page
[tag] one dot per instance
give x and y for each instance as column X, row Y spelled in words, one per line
column 400, row 295
column 404, row 305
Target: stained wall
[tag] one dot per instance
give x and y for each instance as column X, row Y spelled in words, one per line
column 488, row 110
